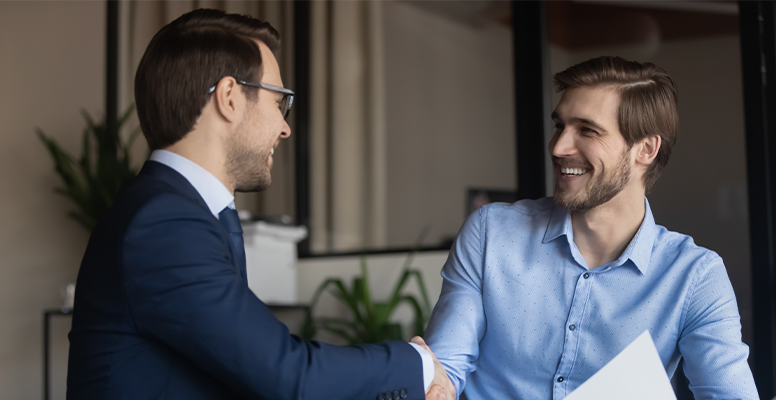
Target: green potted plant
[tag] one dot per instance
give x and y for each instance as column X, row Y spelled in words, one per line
column 92, row 181
column 370, row 321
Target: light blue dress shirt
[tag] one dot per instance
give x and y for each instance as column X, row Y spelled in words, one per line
column 521, row 316
column 217, row 197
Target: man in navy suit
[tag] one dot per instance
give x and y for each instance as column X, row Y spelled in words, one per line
column 163, row 309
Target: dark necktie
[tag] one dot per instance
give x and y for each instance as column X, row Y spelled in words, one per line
column 231, row 222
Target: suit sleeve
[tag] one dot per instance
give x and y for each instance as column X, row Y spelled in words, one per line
column 182, row 290
column 710, row 342
column 458, row 322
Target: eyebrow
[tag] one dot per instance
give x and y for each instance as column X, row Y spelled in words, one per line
column 580, row 121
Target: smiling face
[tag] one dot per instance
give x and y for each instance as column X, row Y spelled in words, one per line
column 591, row 161
column 250, row 148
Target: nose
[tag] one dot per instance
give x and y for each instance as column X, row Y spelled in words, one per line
column 562, row 143
column 286, row 132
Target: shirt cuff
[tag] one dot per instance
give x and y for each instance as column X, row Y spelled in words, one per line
column 428, row 366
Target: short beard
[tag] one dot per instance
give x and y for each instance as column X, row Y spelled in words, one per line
column 248, row 168
column 599, row 191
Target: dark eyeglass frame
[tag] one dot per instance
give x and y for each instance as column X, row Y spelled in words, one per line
column 285, row 103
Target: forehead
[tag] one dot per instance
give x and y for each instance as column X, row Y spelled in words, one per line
column 597, row 104
column 270, row 65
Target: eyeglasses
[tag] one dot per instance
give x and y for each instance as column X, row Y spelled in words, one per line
column 285, row 103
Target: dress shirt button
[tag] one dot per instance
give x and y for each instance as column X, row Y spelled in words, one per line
column 560, row 379
column 396, row 395
column 586, row 275
column 403, row 393
column 572, row 327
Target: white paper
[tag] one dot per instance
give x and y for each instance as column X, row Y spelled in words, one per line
column 635, row 374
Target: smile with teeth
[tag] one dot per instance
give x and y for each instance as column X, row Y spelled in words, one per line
column 572, row 171
column 271, row 151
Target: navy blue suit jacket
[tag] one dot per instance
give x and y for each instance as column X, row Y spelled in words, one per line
column 161, row 312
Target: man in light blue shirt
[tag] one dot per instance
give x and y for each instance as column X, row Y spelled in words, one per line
column 540, row 294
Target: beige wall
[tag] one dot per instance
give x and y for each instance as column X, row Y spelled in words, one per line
column 52, row 64
column 450, row 118
column 702, row 191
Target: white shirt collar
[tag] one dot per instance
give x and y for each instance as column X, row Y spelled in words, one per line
column 216, row 195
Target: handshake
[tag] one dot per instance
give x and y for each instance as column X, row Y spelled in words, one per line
column 441, row 388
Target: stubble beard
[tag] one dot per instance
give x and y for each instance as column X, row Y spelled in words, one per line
column 599, row 190
column 246, row 165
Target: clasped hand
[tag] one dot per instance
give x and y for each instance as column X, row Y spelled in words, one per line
column 441, row 388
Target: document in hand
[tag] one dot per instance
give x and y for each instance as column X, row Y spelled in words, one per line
column 635, row 374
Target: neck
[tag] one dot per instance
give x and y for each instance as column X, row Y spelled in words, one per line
column 602, row 233
column 204, row 148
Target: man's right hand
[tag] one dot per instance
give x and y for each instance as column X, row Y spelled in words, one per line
column 441, row 388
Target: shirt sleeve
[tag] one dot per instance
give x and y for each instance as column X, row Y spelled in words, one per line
column 458, row 322
column 710, row 343
column 428, row 366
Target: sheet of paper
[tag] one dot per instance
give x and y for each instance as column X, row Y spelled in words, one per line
column 635, row 374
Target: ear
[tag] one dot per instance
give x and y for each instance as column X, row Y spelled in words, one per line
column 228, row 98
column 647, row 149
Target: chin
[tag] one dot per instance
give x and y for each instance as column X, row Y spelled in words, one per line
column 570, row 201
column 255, row 182
column 256, row 187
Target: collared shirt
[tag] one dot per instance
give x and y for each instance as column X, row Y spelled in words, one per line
column 216, row 195
column 521, row 315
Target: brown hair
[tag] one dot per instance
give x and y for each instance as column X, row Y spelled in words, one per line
column 648, row 99
column 185, row 59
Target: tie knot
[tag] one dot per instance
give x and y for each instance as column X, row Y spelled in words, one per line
column 230, row 220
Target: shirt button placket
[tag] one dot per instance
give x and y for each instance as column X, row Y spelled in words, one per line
column 570, row 346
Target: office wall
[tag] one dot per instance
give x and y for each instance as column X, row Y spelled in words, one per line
column 450, row 118
column 52, row 65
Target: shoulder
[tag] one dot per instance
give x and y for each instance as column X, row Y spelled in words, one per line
column 170, row 231
column 682, row 247
column 153, row 216
column 527, row 207
column 149, row 197
column 169, row 217
column 522, row 213
column 678, row 255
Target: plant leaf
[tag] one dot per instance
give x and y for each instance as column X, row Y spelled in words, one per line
column 85, row 220
column 419, row 324
column 371, row 320
column 92, row 181
column 382, row 314
column 125, row 116
column 391, row 332
column 367, row 292
column 340, row 292
column 416, row 246
column 406, row 266
column 352, row 340
column 422, row 289
column 308, row 330
column 337, row 321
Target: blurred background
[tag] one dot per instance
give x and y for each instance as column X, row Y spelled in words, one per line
column 409, row 115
